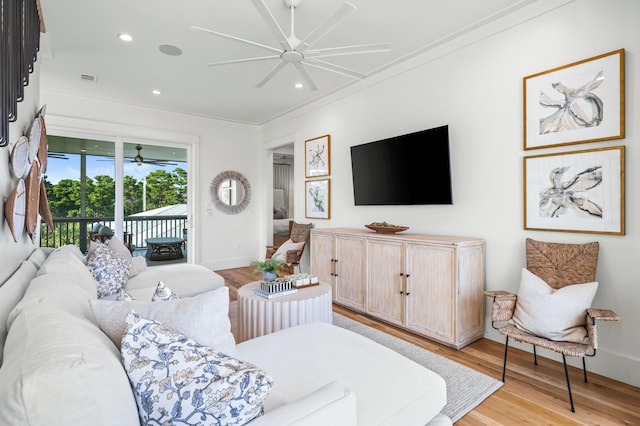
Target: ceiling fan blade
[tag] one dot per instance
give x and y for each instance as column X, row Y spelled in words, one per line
column 239, row 61
column 241, row 40
column 349, row 50
column 334, row 68
column 322, row 30
column 271, row 73
column 272, row 24
column 305, row 75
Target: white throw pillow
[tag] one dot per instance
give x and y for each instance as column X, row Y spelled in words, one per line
column 558, row 315
column 204, row 318
column 110, row 270
column 281, row 252
column 11, row 292
column 175, row 378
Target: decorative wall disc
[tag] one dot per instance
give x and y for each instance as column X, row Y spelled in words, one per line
column 20, row 158
column 14, row 210
column 34, row 139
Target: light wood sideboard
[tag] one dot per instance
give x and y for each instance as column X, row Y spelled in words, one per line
column 430, row 285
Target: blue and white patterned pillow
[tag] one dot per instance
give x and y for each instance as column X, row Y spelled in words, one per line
column 110, row 270
column 178, row 381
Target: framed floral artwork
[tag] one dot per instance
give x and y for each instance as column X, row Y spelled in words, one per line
column 317, row 157
column 579, row 191
column 576, row 103
column 317, row 199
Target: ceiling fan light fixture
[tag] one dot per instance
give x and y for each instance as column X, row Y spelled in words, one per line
column 125, row 37
column 299, row 85
column 156, row 92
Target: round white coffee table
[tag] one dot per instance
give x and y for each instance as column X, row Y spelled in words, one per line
column 258, row 316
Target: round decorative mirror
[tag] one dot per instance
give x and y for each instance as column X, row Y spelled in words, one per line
column 230, row 192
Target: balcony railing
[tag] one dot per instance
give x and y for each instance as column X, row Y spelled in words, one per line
column 75, row 230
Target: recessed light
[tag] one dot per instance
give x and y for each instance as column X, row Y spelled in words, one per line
column 125, row 37
column 170, row 50
column 299, row 86
column 156, row 92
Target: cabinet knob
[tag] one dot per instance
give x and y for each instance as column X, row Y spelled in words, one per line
column 401, row 274
column 408, row 275
column 401, row 292
column 408, row 293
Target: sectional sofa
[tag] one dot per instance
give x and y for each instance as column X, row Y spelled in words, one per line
column 63, row 364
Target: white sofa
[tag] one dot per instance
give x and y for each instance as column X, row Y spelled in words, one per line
column 60, row 368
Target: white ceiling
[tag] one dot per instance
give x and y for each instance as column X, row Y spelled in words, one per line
column 81, row 38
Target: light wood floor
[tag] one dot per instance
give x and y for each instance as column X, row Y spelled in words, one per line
column 534, row 395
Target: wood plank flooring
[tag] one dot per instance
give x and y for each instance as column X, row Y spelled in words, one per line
column 533, row 395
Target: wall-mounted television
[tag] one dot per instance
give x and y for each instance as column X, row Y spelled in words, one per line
column 403, row 170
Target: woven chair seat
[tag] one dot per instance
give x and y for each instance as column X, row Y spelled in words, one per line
column 566, row 348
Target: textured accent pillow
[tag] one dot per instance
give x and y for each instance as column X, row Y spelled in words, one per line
column 204, row 318
column 109, row 270
column 281, row 253
column 558, row 315
column 119, row 248
column 163, row 293
column 177, row 380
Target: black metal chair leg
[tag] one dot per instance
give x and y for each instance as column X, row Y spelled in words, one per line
column 584, row 369
column 535, row 355
column 566, row 373
column 504, row 365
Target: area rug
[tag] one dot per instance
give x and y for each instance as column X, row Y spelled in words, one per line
column 466, row 388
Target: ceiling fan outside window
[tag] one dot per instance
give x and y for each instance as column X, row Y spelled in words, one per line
column 140, row 160
column 297, row 52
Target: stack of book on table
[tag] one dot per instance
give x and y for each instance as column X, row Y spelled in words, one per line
column 277, row 288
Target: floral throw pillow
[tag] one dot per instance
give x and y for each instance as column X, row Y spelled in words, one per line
column 109, row 270
column 178, row 381
column 163, row 293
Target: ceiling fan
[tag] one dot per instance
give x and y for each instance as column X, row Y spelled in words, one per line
column 139, row 160
column 295, row 51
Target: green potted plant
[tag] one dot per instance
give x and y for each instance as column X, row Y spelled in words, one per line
column 269, row 268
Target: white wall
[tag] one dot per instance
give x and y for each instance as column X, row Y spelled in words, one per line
column 476, row 88
column 11, row 252
column 219, row 240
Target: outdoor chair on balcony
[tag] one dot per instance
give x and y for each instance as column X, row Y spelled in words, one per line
column 291, row 250
column 553, row 306
column 102, row 233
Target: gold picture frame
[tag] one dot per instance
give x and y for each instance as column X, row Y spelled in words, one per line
column 317, row 156
column 578, row 191
column 576, row 103
column 317, row 199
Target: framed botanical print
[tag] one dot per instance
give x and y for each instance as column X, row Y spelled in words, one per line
column 317, row 156
column 317, row 199
column 579, row 191
column 576, row 103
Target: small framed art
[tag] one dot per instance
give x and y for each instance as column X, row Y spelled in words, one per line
column 317, row 156
column 317, row 199
column 579, row 191
column 576, row 103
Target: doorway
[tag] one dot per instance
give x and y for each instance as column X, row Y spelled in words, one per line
column 283, row 193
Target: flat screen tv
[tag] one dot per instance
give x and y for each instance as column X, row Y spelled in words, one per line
column 403, row 170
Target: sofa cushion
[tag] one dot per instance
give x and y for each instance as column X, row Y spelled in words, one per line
column 175, row 378
column 59, row 369
column 39, row 255
column 332, row 404
column 389, row 388
column 184, row 279
column 110, row 270
column 11, row 292
column 204, row 318
column 558, row 315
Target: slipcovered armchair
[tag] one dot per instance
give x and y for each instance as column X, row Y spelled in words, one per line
column 552, row 309
column 291, row 250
